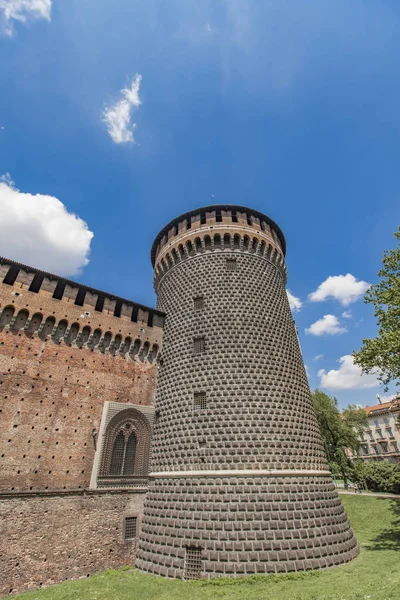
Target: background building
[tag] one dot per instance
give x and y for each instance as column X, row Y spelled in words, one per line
column 381, row 439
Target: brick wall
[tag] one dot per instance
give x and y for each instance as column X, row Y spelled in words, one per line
column 46, row 539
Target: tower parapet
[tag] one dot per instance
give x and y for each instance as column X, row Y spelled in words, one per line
column 241, row 483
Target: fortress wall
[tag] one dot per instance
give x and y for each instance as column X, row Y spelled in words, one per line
column 47, row 539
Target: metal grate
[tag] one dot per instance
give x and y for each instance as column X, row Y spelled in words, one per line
column 231, row 264
column 198, row 303
column 199, row 345
column 199, row 400
column 130, row 528
column 192, row 563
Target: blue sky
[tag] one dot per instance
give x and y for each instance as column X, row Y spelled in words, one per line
column 290, row 108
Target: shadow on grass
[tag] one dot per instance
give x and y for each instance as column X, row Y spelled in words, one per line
column 389, row 539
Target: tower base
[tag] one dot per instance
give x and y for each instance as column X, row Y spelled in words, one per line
column 206, row 527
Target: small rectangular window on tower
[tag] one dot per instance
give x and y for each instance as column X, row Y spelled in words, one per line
column 231, row 264
column 199, row 345
column 36, row 283
column 59, row 291
column 130, row 528
column 192, row 563
column 199, row 401
column 198, row 303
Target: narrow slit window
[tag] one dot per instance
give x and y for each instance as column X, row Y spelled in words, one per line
column 11, row 276
column 130, row 528
column 192, row 563
column 199, row 345
column 249, row 221
column 198, row 303
column 188, row 223
column 99, row 303
column 231, row 264
column 134, row 316
column 80, row 297
column 199, row 401
column 59, row 291
column 150, row 319
column 218, row 216
column 36, row 283
column 234, row 216
column 118, row 308
column 203, row 219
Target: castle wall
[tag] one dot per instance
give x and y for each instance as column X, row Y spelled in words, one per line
column 46, row 539
column 60, row 360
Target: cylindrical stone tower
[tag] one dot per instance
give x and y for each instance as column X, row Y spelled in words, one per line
column 240, row 481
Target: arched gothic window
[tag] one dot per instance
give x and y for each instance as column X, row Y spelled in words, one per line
column 123, row 452
column 126, row 449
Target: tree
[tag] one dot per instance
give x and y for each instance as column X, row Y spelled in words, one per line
column 380, row 476
column 339, row 431
column 382, row 353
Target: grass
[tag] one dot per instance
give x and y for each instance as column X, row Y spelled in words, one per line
column 373, row 575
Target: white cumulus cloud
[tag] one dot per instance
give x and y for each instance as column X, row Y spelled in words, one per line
column 39, row 231
column 318, row 357
column 328, row 325
column 347, row 314
column 294, row 302
column 23, row 11
column 344, row 288
column 348, row 377
column 118, row 117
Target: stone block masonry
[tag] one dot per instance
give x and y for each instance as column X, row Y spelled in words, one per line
column 240, row 480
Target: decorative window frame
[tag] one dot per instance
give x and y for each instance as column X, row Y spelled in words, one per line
column 115, row 416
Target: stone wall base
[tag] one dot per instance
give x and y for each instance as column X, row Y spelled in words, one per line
column 243, row 525
column 47, row 538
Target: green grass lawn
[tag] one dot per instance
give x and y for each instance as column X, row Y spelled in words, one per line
column 374, row 575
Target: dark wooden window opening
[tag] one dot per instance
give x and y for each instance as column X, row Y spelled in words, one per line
column 11, row 276
column 231, row 264
column 36, row 283
column 59, row 291
column 198, row 303
column 80, row 297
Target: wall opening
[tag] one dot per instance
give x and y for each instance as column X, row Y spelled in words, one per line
column 130, row 528
column 199, row 401
column 36, row 283
column 59, row 291
column 11, row 276
column 192, row 562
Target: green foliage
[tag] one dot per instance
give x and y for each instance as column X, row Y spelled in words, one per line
column 339, row 431
column 379, row 476
column 374, row 575
column 383, row 351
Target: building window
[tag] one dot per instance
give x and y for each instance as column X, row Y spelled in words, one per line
column 390, row 432
column 125, row 453
column 386, row 421
column 59, row 291
column 395, row 447
column 376, row 423
column 379, row 432
column 192, row 563
column 385, row 447
column 234, row 216
column 130, row 528
column 36, row 283
column 198, row 303
column 231, row 264
column 371, row 437
column 199, row 345
column 199, row 401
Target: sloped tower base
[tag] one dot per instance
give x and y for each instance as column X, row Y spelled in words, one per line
column 240, row 479
column 243, row 526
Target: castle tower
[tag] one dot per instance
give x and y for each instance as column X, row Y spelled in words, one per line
column 240, row 480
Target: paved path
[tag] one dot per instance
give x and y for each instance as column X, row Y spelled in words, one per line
column 377, row 495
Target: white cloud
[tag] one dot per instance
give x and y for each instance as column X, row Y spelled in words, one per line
column 347, row 314
column 347, row 377
column 328, row 325
column 118, row 117
column 318, row 357
column 39, row 231
column 307, row 370
column 294, row 302
column 344, row 288
column 23, row 11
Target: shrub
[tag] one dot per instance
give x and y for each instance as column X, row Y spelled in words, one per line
column 379, row 476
